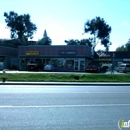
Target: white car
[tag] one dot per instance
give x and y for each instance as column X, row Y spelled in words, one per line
column 123, row 68
column 49, row 67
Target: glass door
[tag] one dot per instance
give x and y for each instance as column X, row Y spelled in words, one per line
column 79, row 65
column 76, row 65
column 82, row 65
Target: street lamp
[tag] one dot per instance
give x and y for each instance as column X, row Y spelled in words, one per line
column 112, row 67
column 113, row 58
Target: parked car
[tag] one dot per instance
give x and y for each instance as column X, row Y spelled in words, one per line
column 34, row 66
column 92, row 67
column 106, row 67
column 123, row 68
column 49, row 67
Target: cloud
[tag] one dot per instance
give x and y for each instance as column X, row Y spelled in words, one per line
column 5, row 33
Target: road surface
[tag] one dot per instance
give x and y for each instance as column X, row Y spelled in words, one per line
column 63, row 107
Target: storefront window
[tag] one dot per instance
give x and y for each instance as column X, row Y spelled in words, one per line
column 70, row 64
column 38, row 60
column 44, row 61
column 61, row 62
column 54, row 62
column 48, row 61
column 82, row 64
column 2, row 59
column 27, row 61
column 23, row 63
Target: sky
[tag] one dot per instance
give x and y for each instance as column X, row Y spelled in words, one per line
column 65, row 19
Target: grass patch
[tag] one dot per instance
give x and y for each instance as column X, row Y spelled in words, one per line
column 32, row 77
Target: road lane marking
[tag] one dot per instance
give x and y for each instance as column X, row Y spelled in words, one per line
column 63, row 86
column 65, row 106
column 26, row 92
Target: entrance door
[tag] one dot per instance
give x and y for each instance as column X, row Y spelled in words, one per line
column 76, row 65
column 82, row 65
column 79, row 65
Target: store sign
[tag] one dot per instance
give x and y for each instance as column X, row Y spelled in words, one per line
column 67, row 52
column 105, row 59
column 32, row 52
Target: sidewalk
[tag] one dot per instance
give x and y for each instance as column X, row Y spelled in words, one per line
column 69, row 83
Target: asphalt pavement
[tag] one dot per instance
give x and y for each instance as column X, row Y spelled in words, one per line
column 49, row 107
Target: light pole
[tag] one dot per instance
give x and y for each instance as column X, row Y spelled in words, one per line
column 112, row 67
column 113, row 58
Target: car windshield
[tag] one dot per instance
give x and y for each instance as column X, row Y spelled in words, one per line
column 122, row 65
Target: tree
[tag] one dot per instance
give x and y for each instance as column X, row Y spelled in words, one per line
column 100, row 31
column 79, row 42
column 128, row 45
column 45, row 40
column 86, row 42
column 72, row 42
column 121, row 48
column 125, row 47
column 106, row 43
column 20, row 26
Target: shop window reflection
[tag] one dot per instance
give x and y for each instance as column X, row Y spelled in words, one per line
column 70, row 64
column 54, row 62
column 61, row 63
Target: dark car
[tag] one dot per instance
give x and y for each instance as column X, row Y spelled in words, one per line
column 35, row 66
column 92, row 67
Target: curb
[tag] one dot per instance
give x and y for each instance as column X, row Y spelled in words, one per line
column 68, row 83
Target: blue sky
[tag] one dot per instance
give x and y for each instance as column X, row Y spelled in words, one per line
column 64, row 19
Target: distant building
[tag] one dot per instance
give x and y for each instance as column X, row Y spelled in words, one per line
column 112, row 57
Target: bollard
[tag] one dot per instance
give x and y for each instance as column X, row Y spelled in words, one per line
column 4, row 76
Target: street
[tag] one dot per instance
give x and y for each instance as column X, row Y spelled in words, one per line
column 63, row 107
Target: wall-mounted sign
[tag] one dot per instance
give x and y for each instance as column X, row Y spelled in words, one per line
column 67, row 52
column 32, row 52
column 105, row 59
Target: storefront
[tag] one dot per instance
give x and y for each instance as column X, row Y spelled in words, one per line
column 112, row 57
column 64, row 58
column 8, row 57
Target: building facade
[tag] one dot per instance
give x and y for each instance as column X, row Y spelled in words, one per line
column 64, row 58
column 8, row 58
column 112, row 57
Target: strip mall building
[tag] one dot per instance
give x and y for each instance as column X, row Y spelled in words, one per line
column 8, row 57
column 65, row 58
